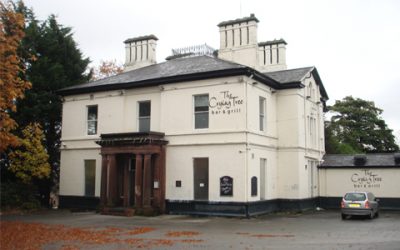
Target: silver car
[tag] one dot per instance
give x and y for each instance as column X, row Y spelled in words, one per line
column 360, row 203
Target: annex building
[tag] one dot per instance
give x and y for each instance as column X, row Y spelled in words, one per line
column 225, row 132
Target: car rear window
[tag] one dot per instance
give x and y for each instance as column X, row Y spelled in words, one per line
column 355, row 197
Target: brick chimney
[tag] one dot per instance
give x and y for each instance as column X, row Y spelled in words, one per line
column 140, row 52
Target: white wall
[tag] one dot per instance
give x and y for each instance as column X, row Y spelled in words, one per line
column 72, row 171
column 177, row 106
column 224, row 160
column 383, row 182
column 233, row 142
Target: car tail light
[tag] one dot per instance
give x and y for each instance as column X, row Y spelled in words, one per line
column 342, row 204
column 366, row 204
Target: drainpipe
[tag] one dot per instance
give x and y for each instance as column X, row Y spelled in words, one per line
column 247, row 147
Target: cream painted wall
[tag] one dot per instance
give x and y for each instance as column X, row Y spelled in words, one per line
column 223, row 160
column 72, row 171
column 255, row 153
column 130, row 109
column 382, row 182
column 177, row 106
column 290, row 106
column 256, row 90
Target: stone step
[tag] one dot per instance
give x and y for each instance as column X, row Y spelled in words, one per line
column 118, row 211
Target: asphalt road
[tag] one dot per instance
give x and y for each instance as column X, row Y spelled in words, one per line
column 311, row 230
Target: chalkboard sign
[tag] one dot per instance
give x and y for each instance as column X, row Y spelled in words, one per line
column 253, row 186
column 226, row 186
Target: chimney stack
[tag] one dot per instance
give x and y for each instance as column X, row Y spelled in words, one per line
column 140, row 52
column 238, row 43
column 272, row 55
column 238, row 40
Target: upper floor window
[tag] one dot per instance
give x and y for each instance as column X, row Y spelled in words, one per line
column 313, row 130
column 92, row 120
column 311, row 92
column 262, row 117
column 144, row 116
column 201, row 111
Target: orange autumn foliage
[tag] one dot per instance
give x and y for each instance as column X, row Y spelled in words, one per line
column 106, row 69
column 182, row 234
column 27, row 236
column 12, row 86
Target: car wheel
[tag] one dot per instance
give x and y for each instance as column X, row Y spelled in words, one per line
column 343, row 216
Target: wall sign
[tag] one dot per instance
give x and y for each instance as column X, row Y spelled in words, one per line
column 366, row 179
column 226, row 186
column 225, row 103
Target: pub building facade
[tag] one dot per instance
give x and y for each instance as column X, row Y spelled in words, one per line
column 226, row 132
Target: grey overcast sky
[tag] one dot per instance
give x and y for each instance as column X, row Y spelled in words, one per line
column 355, row 44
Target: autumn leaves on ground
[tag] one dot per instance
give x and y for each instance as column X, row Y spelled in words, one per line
column 20, row 235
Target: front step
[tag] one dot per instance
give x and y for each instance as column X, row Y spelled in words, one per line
column 118, row 211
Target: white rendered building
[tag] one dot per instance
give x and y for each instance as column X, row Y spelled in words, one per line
column 231, row 132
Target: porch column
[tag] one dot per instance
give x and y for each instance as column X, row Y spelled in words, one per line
column 147, row 181
column 157, row 190
column 138, row 181
column 126, row 182
column 162, row 178
column 103, row 184
column 112, row 180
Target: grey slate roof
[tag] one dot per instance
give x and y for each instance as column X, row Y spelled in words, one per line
column 161, row 72
column 372, row 160
column 292, row 76
column 190, row 69
column 289, row 76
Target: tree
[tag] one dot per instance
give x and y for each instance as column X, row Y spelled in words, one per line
column 12, row 85
column 356, row 127
column 59, row 64
column 30, row 160
column 106, row 69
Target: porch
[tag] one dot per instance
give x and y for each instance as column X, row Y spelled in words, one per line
column 132, row 173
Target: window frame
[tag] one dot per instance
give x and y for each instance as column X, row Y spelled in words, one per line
column 201, row 112
column 89, row 121
column 143, row 117
column 262, row 125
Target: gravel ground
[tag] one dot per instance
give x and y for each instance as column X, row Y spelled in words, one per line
column 310, row 230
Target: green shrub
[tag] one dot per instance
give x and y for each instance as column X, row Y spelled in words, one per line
column 19, row 195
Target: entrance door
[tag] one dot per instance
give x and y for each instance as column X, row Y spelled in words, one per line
column 200, row 170
column 312, row 177
column 263, row 184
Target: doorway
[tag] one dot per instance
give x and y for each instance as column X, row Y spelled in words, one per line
column 200, row 173
column 263, row 184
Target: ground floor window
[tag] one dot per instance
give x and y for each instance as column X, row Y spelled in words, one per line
column 90, row 177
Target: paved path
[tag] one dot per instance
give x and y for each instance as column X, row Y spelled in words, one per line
column 312, row 230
